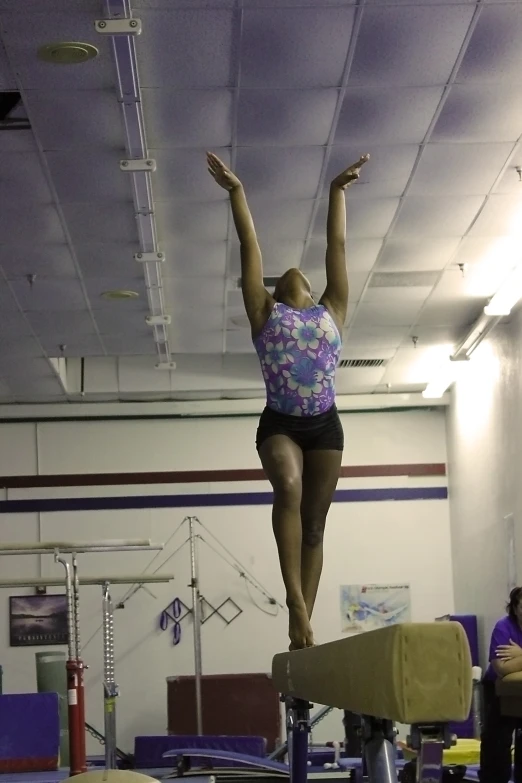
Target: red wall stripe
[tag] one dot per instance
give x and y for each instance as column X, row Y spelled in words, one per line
column 203, row 476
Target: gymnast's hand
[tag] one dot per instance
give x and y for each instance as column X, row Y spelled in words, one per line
column 508, row 651
column 351, row 174
column 223, row 176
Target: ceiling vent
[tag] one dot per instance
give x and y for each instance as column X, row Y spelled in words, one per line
column 403, row 279
column 12, row 112
column 361, row 363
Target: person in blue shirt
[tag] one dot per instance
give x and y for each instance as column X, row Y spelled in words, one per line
column 505, row 657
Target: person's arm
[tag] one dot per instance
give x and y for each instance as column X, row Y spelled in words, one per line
column 507, row 667
column 255, row 296
column 335, row 297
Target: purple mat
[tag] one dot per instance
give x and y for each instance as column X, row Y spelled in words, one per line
column 150, row 751
column 29, row 731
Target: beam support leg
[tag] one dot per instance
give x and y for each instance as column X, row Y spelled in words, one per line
column 379, row 749
column 297, row 729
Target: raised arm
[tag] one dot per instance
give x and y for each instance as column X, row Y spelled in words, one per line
column 335, row 297
column 255, row 296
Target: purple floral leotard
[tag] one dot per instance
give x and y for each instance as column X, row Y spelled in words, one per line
column 299, row 351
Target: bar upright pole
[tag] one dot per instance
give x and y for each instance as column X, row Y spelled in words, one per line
column 196, row 617
column 110, row 689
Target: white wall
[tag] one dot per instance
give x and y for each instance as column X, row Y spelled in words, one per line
column 366, row 542
column 484, row 456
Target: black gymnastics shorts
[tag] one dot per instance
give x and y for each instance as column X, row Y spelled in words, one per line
column 323, row 431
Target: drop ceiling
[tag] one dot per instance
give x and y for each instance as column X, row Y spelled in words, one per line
column 289, row 92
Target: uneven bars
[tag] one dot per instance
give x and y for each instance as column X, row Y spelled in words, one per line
column 78, row 547
column 125, row 579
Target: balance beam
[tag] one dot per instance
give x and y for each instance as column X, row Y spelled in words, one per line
column 414, row 673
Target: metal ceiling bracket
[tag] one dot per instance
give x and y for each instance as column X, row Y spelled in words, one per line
column 138, row 165
column 165, row 366
column 149, row 258
column 158, row 320
column 122, row 29
column 118, row 26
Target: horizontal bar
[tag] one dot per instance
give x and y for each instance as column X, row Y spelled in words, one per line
column 205, row 476
column 125, row 579
column 48, row 547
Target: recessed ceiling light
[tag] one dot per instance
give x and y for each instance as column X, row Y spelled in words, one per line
column 67, row 52
column 120, row 294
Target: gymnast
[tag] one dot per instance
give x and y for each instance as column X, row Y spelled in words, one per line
column 300, row 437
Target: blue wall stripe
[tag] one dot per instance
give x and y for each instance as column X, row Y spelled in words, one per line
column 216, row 499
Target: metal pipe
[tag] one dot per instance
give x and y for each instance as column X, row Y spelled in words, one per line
column 78, row 546
column 110, row 689
column 196, row 617
column 49, row 550
column 298, row 729
column 380, row 757
column 125, row 579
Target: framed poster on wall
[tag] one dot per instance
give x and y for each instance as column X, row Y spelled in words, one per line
column 36, row 620
column 368, row 607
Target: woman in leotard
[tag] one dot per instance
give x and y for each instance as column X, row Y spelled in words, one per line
column 300, row 437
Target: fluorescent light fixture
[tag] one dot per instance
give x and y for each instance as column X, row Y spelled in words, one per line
column 507, row 295
column 445, row 376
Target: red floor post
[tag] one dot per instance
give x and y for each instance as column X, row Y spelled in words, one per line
column 75, row 700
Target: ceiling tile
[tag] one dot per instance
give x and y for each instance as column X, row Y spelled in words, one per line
column 278, row 219
column 394, row 312
column 386, row 173
column 182, row 175
column 450, row 313
column 19, row 347
column 23, row 180
column 351, row 380
column 5, row 393
column 7, row 300
column 459, row 169
column 194, row 259
column 17, row 141
column 96, row 286
column 295, row 47
column 428, row 336
column 363, row 220
column 38, row 221
column 199, row 43
column 364, row 335
column 435, row 216
column 96, row 222
column 361, row 254
column 397, row 46
column 48, row 294
column 285, row 117
column 277, row 256
column 479, row 112
column 12, row 322
column 121, row 320
column 7, row 78
column 384, row 294
column 77, row 119
column 196, row 338
column 201, row 222
column 283, row 172
column 61, row 325
column 417, row 254
column 24, row 33
column 27, row 258
column 501, row 216
column 89, row 175
column 129, row 345
column 510, row 181
column 487, row 262
column 109, row 259
column 493, row 54
column 186, row 295
column 40, row 388
column 188, row 118
column 374, row 115
column 73, row 345
column 239, row 341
